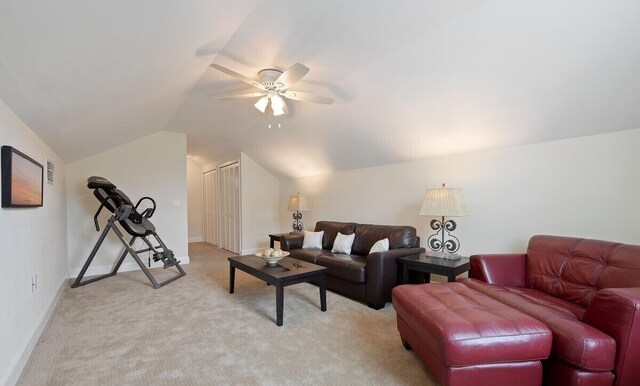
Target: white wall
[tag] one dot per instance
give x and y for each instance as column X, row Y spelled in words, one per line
column 583, row 187
column 194, row 196
column 260, row 193
column 32, row 241
column 153, row 166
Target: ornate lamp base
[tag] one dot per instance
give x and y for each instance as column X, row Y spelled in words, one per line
column 297, row 224
column 437, row 240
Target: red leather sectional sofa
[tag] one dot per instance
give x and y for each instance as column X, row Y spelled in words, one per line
column 565, row 313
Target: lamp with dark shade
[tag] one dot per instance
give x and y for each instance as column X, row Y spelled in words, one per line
column 443, row 202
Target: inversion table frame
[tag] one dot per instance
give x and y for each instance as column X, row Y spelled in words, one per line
column 122, row 213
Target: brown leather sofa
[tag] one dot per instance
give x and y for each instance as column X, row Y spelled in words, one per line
column 586, row 293
column 360, row 275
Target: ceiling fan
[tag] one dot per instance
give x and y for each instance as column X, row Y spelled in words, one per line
column 274, row 86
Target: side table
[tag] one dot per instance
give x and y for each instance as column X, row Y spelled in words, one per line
column 276, row 237
column 433, row 265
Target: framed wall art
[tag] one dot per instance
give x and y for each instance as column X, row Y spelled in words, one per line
column 22, row 179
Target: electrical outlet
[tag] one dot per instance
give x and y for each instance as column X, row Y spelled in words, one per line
column 34, row 282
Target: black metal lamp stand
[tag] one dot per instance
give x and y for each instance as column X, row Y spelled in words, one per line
column 297, row 204
column 437, row 240
column 297, row 224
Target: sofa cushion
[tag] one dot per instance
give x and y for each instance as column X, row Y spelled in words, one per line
column 308, row 255
column 343, row 243
column 346, row 267
column 464, row 327
column 380, row 246
column 312, row 240
column 367, row 235
column 575, row 269
column 331, row 229
column 574, row 342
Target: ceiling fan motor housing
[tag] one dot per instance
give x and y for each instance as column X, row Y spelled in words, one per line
column 268, row 78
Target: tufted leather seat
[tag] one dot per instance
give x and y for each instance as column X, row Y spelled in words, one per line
column 465, row 335
column 575, row 269
column 580, row 289
column 587, row 292
column 575, row 342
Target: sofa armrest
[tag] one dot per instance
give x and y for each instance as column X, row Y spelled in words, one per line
column 382, row 274
column 290, row 241
column 616, row 312
column 501, row 269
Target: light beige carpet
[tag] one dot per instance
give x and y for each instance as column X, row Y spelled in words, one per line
column 120, row 331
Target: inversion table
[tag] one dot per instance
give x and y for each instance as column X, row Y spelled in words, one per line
column 135, row 224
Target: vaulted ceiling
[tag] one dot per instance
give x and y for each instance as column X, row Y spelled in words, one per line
column 410, row 79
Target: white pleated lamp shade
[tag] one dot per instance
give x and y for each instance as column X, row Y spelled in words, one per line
column 446, row 202
column 297, row 203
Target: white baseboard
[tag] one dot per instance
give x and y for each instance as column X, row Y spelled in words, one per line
column 196, row 239
column 250, row 251
column 128, row 266
column 22, row 359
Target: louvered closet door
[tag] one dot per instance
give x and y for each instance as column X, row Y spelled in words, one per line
column 210, row 204
column 229, row 204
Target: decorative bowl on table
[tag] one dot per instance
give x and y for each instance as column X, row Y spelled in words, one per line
column 272, row 256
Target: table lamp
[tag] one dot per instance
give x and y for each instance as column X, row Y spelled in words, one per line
column 443, row 202
column 297, row 204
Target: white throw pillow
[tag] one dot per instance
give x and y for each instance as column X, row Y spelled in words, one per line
column 380, row 246
column 343, row 243
column 312, row 240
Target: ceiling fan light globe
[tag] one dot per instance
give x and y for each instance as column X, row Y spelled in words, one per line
column 277, row 102
column 261, row 104
column 277, row 112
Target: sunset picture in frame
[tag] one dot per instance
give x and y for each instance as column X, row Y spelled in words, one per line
column 22, row 179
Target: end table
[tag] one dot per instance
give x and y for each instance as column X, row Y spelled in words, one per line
column 273, row 237
column 433, row 265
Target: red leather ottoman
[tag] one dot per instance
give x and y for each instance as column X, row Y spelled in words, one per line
column 467, row 338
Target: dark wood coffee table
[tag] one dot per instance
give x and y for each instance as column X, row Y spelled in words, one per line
column 289, row 271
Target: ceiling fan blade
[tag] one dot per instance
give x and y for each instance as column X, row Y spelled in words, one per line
column 292, row 75
column 305, row 97
column 241, row 77
column 243, row 96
